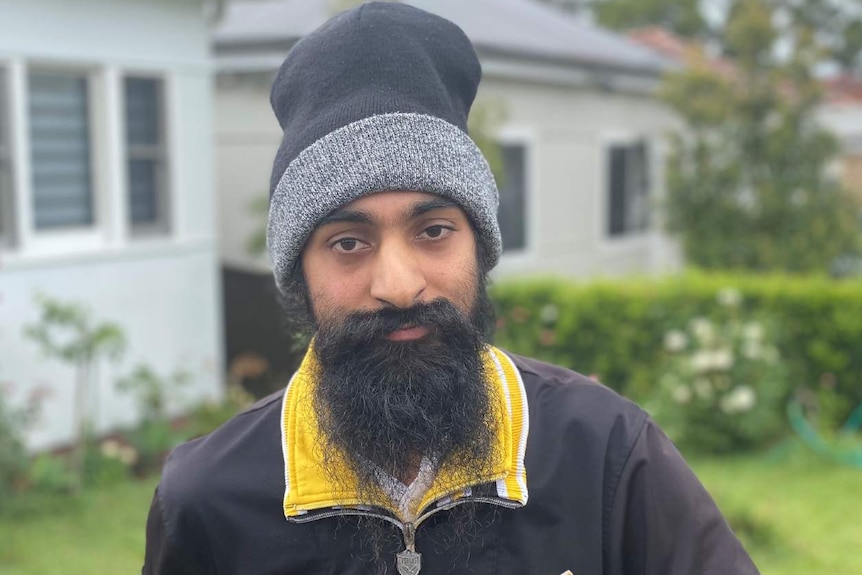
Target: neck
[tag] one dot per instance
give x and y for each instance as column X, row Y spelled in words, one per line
column 409, row 475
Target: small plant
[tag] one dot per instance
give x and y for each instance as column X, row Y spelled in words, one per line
column 155, row 435
column 722, row 386
column 13, row 455
column 66, row 331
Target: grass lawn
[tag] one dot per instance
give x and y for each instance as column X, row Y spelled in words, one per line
column 98, row 533
column 797, row 514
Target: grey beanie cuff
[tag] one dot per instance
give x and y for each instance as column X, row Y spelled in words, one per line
column 384, row 152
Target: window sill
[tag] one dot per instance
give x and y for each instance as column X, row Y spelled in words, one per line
column 12, row 259
column 629, row 241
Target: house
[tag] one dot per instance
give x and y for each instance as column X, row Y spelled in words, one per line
column 107, row 195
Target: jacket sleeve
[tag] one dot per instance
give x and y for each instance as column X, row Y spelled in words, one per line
column 166, row 552
column 662, row 520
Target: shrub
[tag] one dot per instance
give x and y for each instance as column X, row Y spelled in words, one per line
column 616, row 329
column 13, row 457
column 155, row 435
column 722, row 384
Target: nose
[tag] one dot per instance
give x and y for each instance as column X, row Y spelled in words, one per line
column 398, row 279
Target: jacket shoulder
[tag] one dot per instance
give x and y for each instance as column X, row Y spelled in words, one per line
column 204, row 466
column 564, row 403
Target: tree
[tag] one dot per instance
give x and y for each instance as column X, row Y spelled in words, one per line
column 66, row 331
column 748, row 185
column 837, row 24
column 682, row 17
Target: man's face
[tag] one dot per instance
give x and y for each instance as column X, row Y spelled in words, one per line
column 391, row 250
column 401, row 314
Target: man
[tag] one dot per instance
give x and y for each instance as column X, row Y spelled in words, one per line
column 405, row 442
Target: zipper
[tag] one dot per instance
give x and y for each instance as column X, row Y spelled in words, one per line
column 408, row 530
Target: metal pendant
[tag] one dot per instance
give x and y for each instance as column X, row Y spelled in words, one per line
column 408, row 562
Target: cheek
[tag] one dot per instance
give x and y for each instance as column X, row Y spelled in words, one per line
column 334, row 295
column 457, row 279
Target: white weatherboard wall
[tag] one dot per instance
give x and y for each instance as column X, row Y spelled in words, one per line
column 566, row 128
column 163, row 291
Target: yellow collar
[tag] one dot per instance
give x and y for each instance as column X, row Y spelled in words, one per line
column 307, row 487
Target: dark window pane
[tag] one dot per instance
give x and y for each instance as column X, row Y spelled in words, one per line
column 143, row 117
column 146, row 159
column 628, row 188
column 617, row 190
column 143, row 179
column 513, row 191
column 60, row 151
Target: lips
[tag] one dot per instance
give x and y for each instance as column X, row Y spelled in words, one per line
column 408, row 333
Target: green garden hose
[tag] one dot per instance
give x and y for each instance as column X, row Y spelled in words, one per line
column 846, row 454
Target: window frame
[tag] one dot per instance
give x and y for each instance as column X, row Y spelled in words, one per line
column 163, row 226
column 8, row 203
column 629, row 140
column 72, row 239
column 526, row 138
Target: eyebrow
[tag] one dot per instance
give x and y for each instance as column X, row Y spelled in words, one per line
column 429, row 206
column 347, row 216
column 350, row 216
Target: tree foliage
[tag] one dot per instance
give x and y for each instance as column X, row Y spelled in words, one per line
column 837, row 24
column 683, row 17
column 748, row 181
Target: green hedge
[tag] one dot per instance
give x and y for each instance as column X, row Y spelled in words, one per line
column 615, row 328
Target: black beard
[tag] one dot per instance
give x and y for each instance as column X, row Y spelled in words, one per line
column 382, row 405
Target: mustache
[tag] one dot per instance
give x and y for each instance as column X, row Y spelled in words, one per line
column 367, row 327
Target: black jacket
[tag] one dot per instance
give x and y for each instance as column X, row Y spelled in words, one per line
column 608, row 494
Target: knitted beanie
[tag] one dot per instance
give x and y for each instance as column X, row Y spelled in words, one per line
column 376, row 99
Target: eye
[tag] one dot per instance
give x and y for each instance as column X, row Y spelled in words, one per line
column 346, row 245
column 436, row 232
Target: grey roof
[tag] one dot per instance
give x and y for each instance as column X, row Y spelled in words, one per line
column 518, row 29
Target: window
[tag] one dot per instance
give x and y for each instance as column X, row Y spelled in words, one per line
column 145, row 142
column 60, row 150
column 513, row 197
column 628, row 189
column 6, row 205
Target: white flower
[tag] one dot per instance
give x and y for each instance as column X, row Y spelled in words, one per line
column 681, row 394
column 752, row 349
column 729, row 297
column 703, row 330
column 741, row 399
column 703, row 388
column 722, row 359
column 675, row 341
column 549, row 313
column 701, row 361
column 752, row 331
column 718, row 360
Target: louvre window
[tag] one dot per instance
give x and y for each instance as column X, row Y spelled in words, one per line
column 60, row 150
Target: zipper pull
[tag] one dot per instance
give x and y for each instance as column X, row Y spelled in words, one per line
column 410, row 536
column 409, row 562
